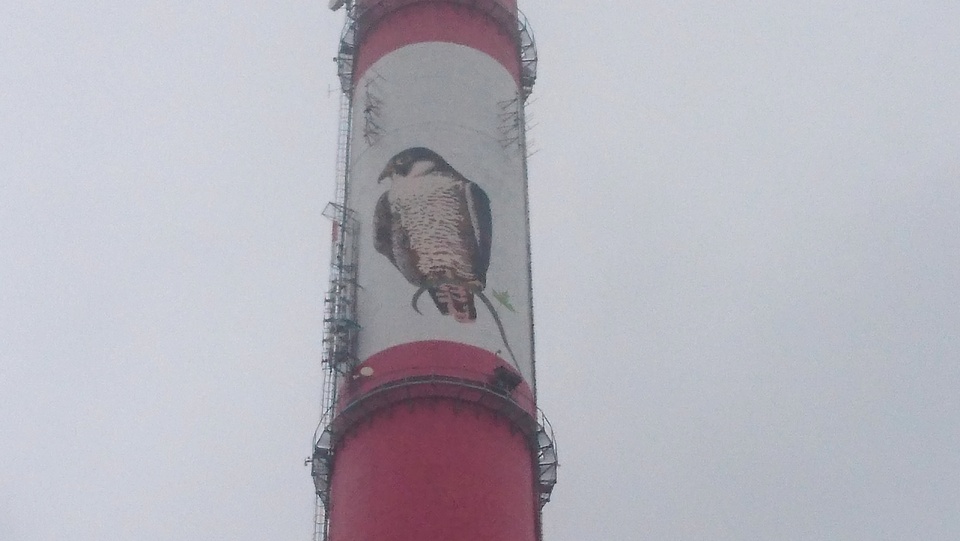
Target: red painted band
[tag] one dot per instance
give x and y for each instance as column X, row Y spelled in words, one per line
column 431, row 358
column 438, row 21
column 433, row 470
column 422, row 463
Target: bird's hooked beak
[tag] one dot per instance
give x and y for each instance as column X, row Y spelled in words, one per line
column 387, row 172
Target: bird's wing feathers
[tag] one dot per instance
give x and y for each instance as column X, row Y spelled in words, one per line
column 383, row 228
column 479, row 206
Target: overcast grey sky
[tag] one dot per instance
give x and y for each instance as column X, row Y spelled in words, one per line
column 746, row 239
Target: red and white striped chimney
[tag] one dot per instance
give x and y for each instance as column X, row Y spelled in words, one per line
column 435, row 433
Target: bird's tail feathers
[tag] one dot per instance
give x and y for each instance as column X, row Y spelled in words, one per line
column 456, row 300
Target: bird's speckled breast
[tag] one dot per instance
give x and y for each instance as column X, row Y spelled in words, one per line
column 431, row 211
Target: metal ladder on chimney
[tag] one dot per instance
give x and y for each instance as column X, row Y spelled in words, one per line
column 340, row 328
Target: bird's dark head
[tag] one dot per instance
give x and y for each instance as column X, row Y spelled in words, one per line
column 403, row 163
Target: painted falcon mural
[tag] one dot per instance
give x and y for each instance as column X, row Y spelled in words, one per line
column 434, row 225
